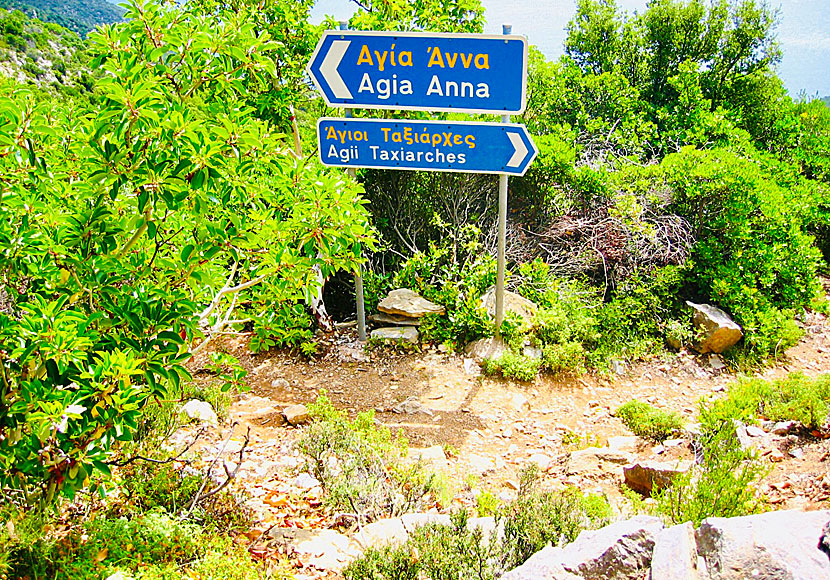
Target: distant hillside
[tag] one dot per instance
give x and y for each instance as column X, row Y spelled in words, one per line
column 43, row 54
column 79, row 16
column 826, row 100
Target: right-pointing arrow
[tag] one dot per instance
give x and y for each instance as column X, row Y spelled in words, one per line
column 520, row 149
column 328, row 69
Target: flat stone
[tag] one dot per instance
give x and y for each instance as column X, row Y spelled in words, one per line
column 720, row 332
column 648, row 476
column 383, row 319
column 407, row 334
column 296, row 414
column 675, row 554
column 428, row 454
column 405, row 302
column 783, row 427
column 512, row 303
column 591, row 461
column 623, row 443
column 518, row 402
column 385, row 532
column 773, row 545
column 322, row 549
column 200, row 411
column 480, row 464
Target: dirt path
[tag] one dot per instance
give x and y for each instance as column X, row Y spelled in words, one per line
column 479, row 431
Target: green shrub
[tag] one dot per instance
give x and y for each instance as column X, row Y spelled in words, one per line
column 649, row 422
column 796, row 398
column 540, row 517
column 566, row 357
column 360, row 465
column 513, row 366
column 449, row 552
column 721, row 485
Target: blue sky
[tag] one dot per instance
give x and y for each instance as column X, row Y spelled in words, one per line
column 803, row 32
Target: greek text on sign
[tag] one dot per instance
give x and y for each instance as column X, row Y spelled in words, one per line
column 474, row 73
column 473, row 147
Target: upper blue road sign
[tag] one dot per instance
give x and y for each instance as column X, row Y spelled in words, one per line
column 471, row 73
column 504, row 148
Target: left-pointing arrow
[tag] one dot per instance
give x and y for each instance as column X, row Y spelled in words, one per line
column 520, row 149
column 328, row 69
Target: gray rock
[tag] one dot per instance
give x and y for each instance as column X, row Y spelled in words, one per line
column 390, row 531
column 280, row 383
column 593, row 460
column 512, row 303
column 717, row 364
column 783, row 427
column 719, row 330
column 824, row 540
column 411, row 406
column 492, row 348
column 675, row 555
column 648, row 476
column 405, row 302
column 772, row 546
column 296, row 414
column 322, row 549
column 396, row 334
column 619, row 551
column 754, row 431
column 383, row 319
column 200, row 411
column 306, row 481
column 624, row 443
column 543, row 565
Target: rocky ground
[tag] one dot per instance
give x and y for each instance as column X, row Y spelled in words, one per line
column 479, row 431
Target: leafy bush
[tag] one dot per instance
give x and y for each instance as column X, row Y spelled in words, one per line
column 540, row 517
column 721, row 484
column 793, row 398
column 566, row 357
column 444, row 552
column 289, row 325
column 360, row 465
column 513, row 366
column 649, row 422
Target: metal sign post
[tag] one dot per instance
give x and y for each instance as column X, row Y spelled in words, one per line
column 502, row 231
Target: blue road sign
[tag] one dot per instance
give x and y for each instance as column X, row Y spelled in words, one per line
column 473, row 73
column 504, row 148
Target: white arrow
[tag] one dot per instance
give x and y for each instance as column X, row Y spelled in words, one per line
column 520, row 149
column 328, row 70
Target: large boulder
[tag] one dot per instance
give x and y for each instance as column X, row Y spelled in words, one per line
column 405, row 302
column 512, row 303
column 775, row 545
column 619, row 551
column 543, row 565
column 719, row 330
column 647, row 476
column 492, row 347
column 675, row 555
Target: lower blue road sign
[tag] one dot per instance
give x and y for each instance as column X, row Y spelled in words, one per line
column 428, row 145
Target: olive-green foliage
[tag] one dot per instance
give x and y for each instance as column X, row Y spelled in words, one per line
column 148, row 546
column 123, row 219
column 793, row 398
column 631, row 324
column 512, row 365
column 289, row 325
column 722, row 484
column 648, row 422
column 360, row 465
column 753, row 257
column 540, row 517
column 443, row 552
column 454, row 276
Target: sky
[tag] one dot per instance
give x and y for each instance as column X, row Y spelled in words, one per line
column 803, row 32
